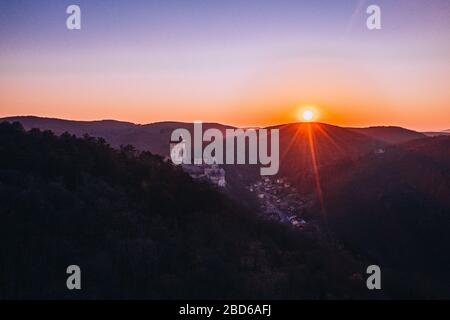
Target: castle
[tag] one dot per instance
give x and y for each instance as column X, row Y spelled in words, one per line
column 209, row 172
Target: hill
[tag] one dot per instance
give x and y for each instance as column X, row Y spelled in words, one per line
column 395, row 207
column 140, row 228
column 152, row 137
column 306, row 147
column 390, row 135
column 334, row 147
column 436, row 134
column 78, row 128
column 333, row 144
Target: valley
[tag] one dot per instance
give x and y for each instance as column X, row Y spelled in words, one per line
column 384, row 192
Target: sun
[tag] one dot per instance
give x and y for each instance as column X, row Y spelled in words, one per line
column 307, row 115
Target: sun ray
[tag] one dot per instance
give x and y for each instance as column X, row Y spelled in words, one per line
column 290, row 145
column 315, row 168
column 329, row 138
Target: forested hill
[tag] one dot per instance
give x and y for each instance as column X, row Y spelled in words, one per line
column 140, row 228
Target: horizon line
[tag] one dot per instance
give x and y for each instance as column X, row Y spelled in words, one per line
column 222, row 124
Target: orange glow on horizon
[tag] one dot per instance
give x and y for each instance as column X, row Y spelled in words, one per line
column 265, row 103
column 353, row 82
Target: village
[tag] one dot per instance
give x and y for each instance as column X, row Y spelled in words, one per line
column 280, row 201
column 213, row 173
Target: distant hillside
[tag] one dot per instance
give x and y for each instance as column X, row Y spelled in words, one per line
column 437, row 134
column 390, row 135
column 332, row 147
column 395, row 207
column 332, row 144
column 79, row 128
column 155, row 137
column 152, row 137
column 329, row 145
column 167, row 236
column 140, row 228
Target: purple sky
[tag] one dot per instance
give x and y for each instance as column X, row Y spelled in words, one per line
column 208, row 60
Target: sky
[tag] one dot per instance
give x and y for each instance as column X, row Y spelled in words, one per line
column 238, row 62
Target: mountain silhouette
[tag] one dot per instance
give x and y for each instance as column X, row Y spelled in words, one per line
column 395, row 207
column 140, row 228
column 152, row 137
column 391, row 135
column 63, row 197
column 334, row 146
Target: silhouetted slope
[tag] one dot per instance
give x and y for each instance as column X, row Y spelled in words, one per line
column 152, row 137
column 140, row 228
column 395, row 207
column 78, row 128
column 304, row 146
column 330, row 147
column 331, row 142
column 436, row 134
column 390, row 135
column 155, row 137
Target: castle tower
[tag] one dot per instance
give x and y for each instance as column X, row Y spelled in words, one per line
column 178, row 151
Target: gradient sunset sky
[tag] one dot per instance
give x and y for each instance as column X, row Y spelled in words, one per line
column 239, row 62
